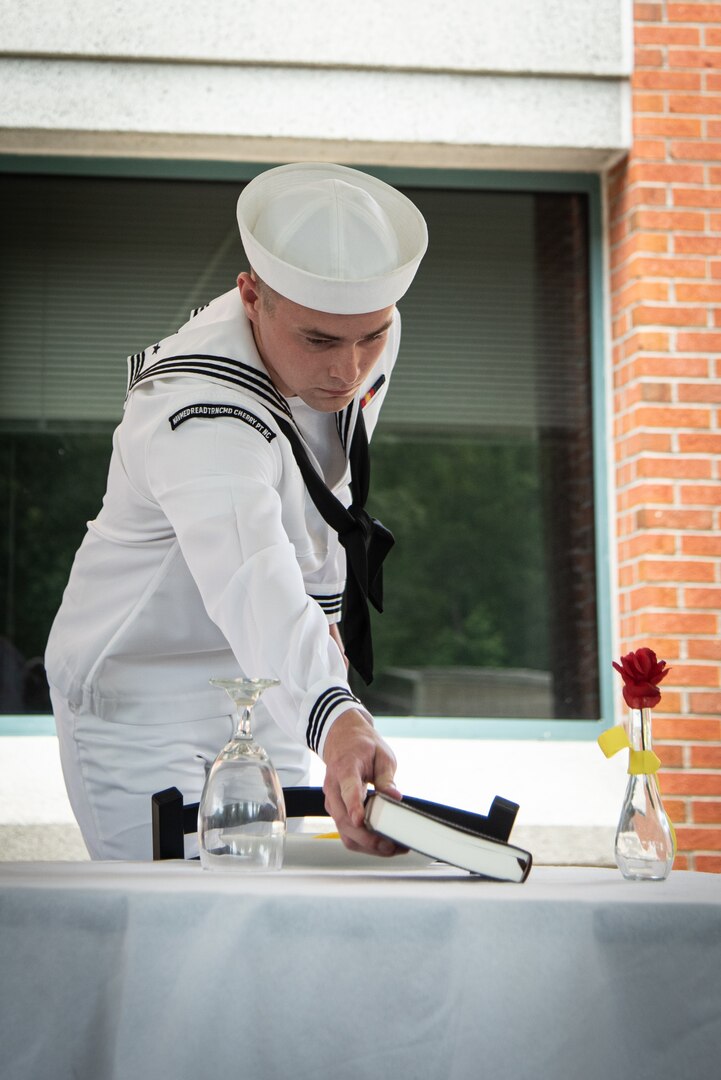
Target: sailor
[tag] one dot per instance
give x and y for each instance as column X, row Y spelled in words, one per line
column 233, row 534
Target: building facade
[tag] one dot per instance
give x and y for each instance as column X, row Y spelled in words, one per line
column 573, row 189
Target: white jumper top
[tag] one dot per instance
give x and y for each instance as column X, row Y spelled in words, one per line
column 208, row 557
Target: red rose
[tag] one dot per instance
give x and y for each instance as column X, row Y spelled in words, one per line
column 641, row 673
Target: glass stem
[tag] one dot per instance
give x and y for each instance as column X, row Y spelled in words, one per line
column 645, row 729
column 243, row 730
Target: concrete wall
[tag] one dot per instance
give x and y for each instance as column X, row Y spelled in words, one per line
column 492, row 83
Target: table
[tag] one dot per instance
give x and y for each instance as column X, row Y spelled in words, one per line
column 126, row 970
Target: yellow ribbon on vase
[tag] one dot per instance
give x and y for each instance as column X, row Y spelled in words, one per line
column 640, row 762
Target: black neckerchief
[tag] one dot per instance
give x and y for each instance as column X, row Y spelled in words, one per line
column 365, row 540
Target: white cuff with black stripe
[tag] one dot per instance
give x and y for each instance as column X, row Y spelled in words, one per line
column 331, row 605
column 331, row 703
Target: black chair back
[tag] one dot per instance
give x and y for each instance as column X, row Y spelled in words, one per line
column 172, row 820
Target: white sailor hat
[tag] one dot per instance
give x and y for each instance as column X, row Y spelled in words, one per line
column 331, row 238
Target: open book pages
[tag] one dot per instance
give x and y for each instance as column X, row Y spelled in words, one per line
column 429, row 835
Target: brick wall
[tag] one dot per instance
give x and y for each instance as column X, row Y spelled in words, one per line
column 665, row 261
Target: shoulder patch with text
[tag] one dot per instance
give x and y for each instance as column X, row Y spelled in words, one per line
column 213, row 411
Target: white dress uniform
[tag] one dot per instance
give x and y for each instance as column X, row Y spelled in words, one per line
column 208, row 558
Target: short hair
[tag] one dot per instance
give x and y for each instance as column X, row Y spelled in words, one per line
column 268, row 295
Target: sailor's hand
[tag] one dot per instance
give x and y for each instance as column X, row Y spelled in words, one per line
column 356, row 756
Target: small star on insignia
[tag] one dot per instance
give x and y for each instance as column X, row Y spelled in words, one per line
column 156, row 348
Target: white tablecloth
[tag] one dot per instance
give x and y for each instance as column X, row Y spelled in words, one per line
column 122, row 970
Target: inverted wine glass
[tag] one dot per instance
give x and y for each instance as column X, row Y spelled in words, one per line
column 241, row 817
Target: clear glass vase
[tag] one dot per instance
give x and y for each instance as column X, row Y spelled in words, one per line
column 241, row 817
column 644, row 846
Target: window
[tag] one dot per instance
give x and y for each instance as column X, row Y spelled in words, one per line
column 482, row 461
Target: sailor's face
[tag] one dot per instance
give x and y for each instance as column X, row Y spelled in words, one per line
column 322, row 358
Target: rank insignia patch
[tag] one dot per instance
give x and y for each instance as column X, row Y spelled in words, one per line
column 370, row 394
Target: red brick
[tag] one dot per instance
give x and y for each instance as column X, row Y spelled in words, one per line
column 692, row 58
column 695, row 443
column 647, row 103
column 705, row 703
column 714, row 173
column 620, row 326
column 639, row 243
column 702, row 839
column 666, row 80
column 666, row 622
column 713, row 81
column 709, row 342
column 670, row 702
column 669, row 35
column 648, row 416
column 668, row 219
column 645, row 495
column 639, row 195
column 675, row 173
column 655, row 391
column 647, row 341
column 710, row 197
column 653, row 596
column 703, row 864
column 701, row 545
column 696, row 468
column 706, row 813
column 706, row 757
column 676, row 810
column 710, row 391
column 694, row 13
column 694, row 103
column 713, row 129
column 652, row 58
column 638, row 442
column 693, row 675
column 698, row 245
column 671, row 756
column 665, row 648
column 701, row 495
column 626, row 576
column 668, row 316
column 701, row 649
column 675, row 570
column 649, row 150
column 671, row 126
column 705, row 293
column 688, row 783
column 701, row 520
column 694, row 150
column 643, row 266
column 643, row 290
column 647, row 12
column 713, row 35
column 686, row 729
column 692, row 367
column 703, row 598
column 647, row 544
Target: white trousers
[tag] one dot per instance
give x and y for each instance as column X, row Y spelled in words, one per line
column 112, row 769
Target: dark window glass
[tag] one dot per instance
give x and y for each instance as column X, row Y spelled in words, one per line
column 482, row 461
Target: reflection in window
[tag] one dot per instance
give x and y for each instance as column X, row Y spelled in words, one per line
column 482, row 461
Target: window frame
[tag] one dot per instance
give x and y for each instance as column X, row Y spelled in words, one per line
column 588, row 184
